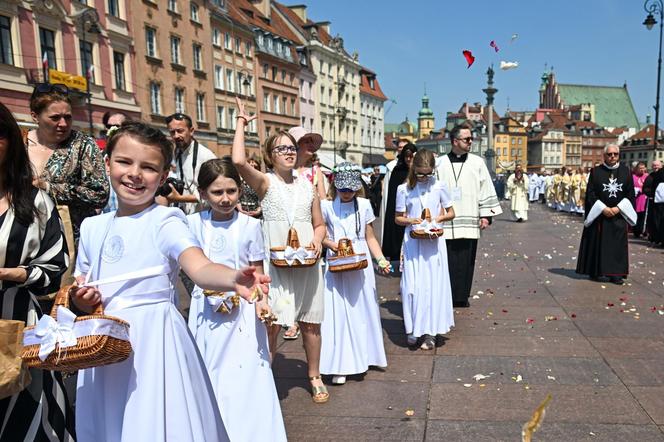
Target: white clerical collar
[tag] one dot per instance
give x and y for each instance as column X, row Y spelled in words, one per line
column 617, row 165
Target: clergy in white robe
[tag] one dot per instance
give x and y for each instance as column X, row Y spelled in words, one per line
column 518, row 184
column 475, row 203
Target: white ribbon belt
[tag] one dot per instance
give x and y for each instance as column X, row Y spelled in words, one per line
column 48, row 332
column 149, row 272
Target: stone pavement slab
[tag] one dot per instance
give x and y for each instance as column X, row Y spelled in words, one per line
column 603, row 368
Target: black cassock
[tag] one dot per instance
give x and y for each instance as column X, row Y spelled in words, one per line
column 655, row 210
column 603, row 250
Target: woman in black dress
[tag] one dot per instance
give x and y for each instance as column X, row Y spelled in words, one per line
column 33, row 255
column 393, row 233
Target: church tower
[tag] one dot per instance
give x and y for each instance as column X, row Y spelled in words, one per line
column 425, row 119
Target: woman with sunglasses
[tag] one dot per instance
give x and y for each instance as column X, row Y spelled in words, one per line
column 296, row 294
column 67, row 163
column 33, row 254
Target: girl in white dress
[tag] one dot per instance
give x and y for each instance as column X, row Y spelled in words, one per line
column 288, row 202
column 162, row 391
column 425, row 283
column 233, row 341
column 352, row 332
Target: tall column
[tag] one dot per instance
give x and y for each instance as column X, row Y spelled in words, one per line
column 490, row 154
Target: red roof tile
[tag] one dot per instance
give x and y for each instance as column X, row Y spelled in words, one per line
column 365, row 85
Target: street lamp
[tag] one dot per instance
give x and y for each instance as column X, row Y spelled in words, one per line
column 655, row 7
column 89, row 17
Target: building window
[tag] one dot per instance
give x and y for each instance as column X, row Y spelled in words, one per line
column 119, row 68
column 274, row 73
column 278, row 47
column 275, row 102
column 322, row 94
column 230, row 84
column 284, row 100
column 175, row 50
column 114, row 8
column 218, row 77
column 216, row 37
column 266, row 69
column 266, row 102
column 238, row 45
column 86, row 60
column 221, row 117
column 228, row 43
column 269, row 44
column 151, row 42
column 247, row 48
column 155, row 98
column 283, row 76
column 47, row 41
column 198, row 58
column 194, row 15
column 179, row 100
column 261, row 40
column 231, row 117
column 172, row 6
column 6, row 50
column 292, row 106
column 200, row 107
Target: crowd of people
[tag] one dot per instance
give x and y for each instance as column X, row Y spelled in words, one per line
column 260, row 250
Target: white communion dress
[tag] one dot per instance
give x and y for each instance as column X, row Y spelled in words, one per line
column 162, row 391
column 296, row 294
column 234, row 345
column 351, row 333
column 425, row 284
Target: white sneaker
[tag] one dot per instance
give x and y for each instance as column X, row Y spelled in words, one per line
column 338, row 380
column 412, row 340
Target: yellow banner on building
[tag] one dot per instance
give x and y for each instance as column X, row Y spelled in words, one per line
column 71, row 81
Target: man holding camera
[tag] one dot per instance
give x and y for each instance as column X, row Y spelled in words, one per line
column 181, row 190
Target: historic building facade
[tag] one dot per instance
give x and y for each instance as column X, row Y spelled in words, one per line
column 68, row 42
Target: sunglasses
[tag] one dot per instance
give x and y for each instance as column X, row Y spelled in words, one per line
column 466, row 140
column 178, row 116
column 612, row 154
column 47, row 88
column 284, row 149
column 424, row 175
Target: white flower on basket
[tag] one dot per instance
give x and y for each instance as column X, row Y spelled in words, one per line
column 51, row 332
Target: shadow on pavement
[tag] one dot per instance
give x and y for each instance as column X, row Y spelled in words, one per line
column 570, row 273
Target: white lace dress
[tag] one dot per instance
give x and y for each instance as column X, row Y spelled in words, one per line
column 296, row 294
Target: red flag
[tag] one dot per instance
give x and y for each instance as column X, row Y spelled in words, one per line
column 469, row 58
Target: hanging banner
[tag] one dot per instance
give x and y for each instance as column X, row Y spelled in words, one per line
column 71, row 81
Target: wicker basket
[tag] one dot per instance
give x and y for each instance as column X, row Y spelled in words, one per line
column 278, row 259
column 110, row 346
column 346, row 259
column 428, row 234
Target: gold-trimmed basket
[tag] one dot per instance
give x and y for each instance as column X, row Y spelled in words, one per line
column 422, row 234
column 90, row 350
column 345, row 253
column 294, row 242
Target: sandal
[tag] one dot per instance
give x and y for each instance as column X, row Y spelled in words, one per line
column 319, row 393
column 292, row 337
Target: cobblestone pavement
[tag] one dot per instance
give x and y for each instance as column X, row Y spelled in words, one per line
column 534, row 327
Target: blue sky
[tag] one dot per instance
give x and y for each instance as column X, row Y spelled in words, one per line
column 408, row 44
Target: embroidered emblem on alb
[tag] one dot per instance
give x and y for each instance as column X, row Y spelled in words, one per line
column 113, row 249
column 218, row 243
column 613, row 187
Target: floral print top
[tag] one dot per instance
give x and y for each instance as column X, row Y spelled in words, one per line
column 77, row 177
